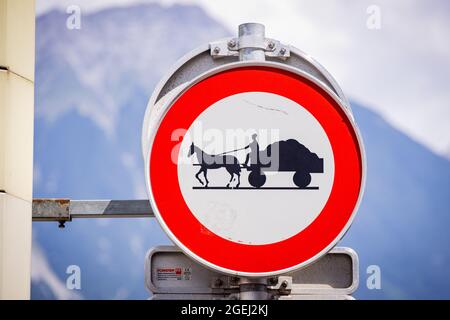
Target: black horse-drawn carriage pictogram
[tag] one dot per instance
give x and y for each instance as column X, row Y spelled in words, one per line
column 281, row 156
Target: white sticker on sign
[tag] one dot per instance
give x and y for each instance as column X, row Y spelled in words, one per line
column 170, row 273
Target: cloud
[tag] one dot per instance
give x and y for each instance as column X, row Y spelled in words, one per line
column 104, row 256
column 134, row 169
column 43, row 274
column 86, row 5
column 401, row 70
column 121, row 294
column 136, row 245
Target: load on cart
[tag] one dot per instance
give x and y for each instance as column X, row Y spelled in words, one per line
column 283, row 156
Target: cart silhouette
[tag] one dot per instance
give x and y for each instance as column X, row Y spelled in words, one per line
column 289, row 156
column 281, row 156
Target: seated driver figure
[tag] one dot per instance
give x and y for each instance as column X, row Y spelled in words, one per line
column 253, row 155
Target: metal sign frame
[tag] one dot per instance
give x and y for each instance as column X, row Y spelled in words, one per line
column 334, row 276
column 157, row 119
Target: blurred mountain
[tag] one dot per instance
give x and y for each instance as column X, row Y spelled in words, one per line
column 403, row 221
column 92, row 87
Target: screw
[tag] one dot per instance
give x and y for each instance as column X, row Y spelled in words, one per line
column 216, row 50
column 273, row 281
column 231, row 43
column 282, row 51
column 234, row 281
column 284, row 284
column 218, row 282
column 271, row 45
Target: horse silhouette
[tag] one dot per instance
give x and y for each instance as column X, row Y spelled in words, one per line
column 210, row 161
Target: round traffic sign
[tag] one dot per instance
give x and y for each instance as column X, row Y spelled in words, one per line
column 255, row 169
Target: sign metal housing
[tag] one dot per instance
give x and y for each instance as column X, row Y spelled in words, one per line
column 197, row 69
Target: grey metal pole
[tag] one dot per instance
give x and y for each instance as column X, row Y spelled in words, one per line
column 252, row 42
column 253, row 289
column 252, row 47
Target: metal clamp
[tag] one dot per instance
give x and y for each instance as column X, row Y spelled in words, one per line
column 230, row 47
column 282, row 286
column 250, row 45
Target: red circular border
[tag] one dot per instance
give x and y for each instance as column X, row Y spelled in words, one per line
column 244, row 258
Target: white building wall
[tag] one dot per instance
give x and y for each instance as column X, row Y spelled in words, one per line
column 17, row 34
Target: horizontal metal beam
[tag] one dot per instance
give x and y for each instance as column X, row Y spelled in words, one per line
column 110, row 209
column 63, row 210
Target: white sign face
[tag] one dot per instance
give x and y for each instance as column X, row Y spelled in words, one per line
column 236, row 210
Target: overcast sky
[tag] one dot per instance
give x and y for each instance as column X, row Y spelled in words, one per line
column 402, row 69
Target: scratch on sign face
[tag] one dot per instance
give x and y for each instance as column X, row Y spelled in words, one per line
column 266, row 108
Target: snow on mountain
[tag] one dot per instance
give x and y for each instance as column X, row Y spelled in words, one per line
column 117, row 55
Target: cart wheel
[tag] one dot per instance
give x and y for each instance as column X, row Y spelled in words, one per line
column 302, row 179
column 257, row 178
